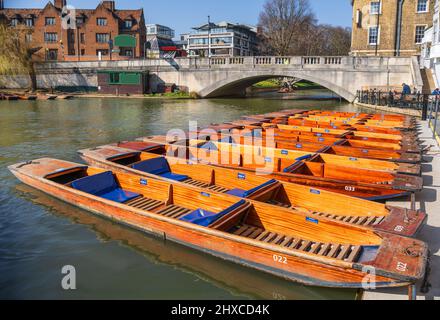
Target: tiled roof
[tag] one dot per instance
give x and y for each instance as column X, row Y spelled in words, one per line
column 10, row 13
column 121, row 14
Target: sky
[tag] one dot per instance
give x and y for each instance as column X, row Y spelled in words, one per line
column 183, row 15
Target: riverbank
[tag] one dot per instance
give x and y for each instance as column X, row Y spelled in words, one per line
column 381, row 109
column 427, row 201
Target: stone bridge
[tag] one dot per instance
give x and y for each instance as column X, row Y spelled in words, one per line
column 215, row 77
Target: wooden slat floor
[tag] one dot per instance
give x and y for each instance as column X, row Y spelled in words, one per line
column 347, row 253
column 159, row 207
column 204, row 185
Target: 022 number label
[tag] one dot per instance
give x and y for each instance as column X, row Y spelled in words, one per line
column 279, row 259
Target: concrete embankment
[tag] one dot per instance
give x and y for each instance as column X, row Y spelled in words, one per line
column 381, row 109
column 427, row 201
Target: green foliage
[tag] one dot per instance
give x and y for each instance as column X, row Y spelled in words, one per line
column 271, row 83
column 173, row 95
column 15, row 53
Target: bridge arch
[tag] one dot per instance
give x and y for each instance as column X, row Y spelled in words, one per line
column 235, row 84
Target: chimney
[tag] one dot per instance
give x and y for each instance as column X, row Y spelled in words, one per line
column 60, row 4
column 109, row 5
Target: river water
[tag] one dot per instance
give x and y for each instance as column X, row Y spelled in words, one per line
column 39, row 234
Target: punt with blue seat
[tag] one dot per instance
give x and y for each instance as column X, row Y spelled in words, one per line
column 206, row 218
column 159, row 167
column 104, row 185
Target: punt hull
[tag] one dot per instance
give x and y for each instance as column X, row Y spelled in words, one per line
column 349, row 188
column 394, row 223
column 265, row 258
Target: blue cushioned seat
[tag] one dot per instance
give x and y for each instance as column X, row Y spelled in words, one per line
column 155, row 166
column 104, row 185
column 205, row 218
column 159, row 167
column 173, row 176
column 244, row 194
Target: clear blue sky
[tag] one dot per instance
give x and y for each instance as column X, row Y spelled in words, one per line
column 182, row 15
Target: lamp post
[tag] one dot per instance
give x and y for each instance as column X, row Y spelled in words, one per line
column 209, row 36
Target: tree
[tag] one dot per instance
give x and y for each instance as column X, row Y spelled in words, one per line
column 289, row 27
column 282, row 21
column 16, row 55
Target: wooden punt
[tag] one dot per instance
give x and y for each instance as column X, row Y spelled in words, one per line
column 256, row 235
column 362, row 183
column 410, row 161
column 292, row 151
column 362, row 135
column 259, row 188
column 224, row 275
column 353, row 125
column 314, row 172
column 362, row 142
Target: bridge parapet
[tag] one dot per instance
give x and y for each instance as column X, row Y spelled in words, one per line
column 298, row 62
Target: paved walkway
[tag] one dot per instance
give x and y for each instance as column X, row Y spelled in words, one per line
column 427, row 201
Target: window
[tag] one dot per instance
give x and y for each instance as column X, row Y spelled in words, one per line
column 28, row 37
column 50, row 21
column 101, row 21
column 79, row 21
column 14, row 22
column 114, row 78
column 375, row 7
column 373, row 35
column 29, row 22
column 422, row 6
column 50, row 37
column 198, row 41
column 82, row 38
column 221, row 41
column 420, row 33
column 83, row 52
column 128, row 24
column 102, row 37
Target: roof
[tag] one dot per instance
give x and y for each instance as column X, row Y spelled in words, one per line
column 119, row 14
column 224, row 24
column 11, row 13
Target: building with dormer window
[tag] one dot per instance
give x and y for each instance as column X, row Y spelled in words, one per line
column 103, row 33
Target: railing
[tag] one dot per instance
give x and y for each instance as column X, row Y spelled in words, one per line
column 394, row 99
column 311, row 60
column 263, row 60
column 315, row 62
column 332, row 60
column 433, row 116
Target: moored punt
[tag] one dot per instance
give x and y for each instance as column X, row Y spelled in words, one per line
column 380, row 137
column 259, row 188
column 255, row 235
column 340, row 147
column 310, row 170
column 293, row 151
column 362, row 142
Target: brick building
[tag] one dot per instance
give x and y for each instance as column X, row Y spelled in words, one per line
column 103, row 33
column 390, row 27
